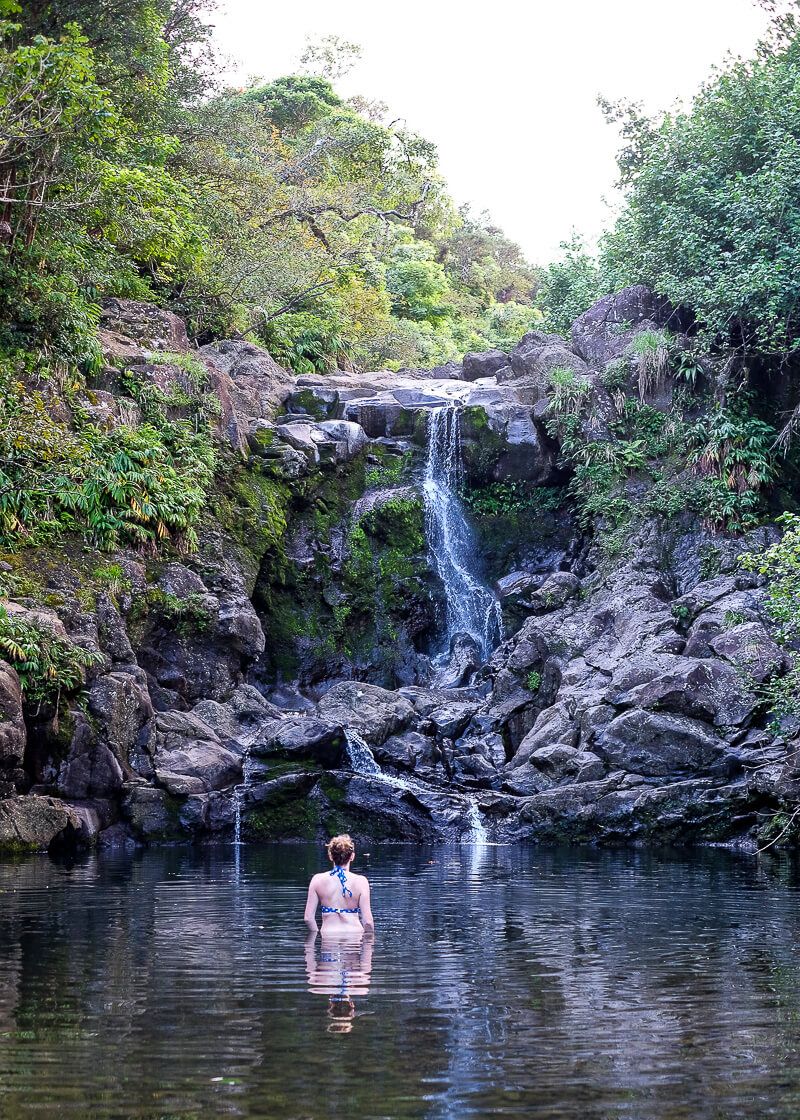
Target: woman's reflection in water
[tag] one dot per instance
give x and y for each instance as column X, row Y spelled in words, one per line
column 341, row 972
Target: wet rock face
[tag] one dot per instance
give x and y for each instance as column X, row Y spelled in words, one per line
column 621, row 706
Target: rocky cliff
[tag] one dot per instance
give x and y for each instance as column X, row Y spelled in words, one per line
column 287, row 677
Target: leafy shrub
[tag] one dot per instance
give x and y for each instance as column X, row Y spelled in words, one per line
column 534, row 681
column 568, row 391
column 48, row 666
column 505, row 499
column 137, row 485
column 653, row 352
column 730, row 450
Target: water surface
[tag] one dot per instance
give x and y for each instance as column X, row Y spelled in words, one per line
column 509, row 982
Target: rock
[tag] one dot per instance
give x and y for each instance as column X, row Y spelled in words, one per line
column 708, row 688
column 188, row 756
column 553, row 725
column 554, row 592
column 241, row 718
column 563, row 763
column 33, row 823
column 463, row 659
column 515, row 584
column 749, row 647
column 112, row 634
column 12, row 725
column 536, row 356
column 120, row 704
column 317, row 446
column 373, row 712
column 604, row 332
column 152, row 813
column 238, row 623
column 148, row 326
column 484, row 364
column 259, row 386
column 350, row 438
column 318, row 739
column 661, row 745
column 90, row 768
column 407, row 751
column 450, row 720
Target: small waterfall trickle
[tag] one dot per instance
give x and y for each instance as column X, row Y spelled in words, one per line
column 360, row 755
column 238, row 797
column 477, row 829
column 362, row 760
column 471, row 606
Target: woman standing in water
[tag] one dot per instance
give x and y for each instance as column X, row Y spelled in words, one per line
column 343, row 895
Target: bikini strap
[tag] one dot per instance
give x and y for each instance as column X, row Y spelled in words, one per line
column 339, row 872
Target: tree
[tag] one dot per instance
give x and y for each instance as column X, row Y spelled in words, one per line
column 712, row 217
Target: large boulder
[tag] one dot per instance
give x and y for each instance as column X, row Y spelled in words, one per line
column 484, row 364
column 536, row 355
column 707, row 688
column 188, row 756
column 658, row 744
column 605, row 331
column 319, row 740
column 750, row 648
column 373, row 712
column 33, row 823
column 127, row 321
column 258, row 385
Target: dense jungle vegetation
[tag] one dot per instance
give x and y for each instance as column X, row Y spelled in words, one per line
column 283, row 213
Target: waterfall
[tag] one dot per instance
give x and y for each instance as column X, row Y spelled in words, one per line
column 238, row 798
column 477, row 829
column 471, row 606
column 362, row 760
column 360, row 755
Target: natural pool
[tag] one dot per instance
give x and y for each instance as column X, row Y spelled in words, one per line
column 502, row 982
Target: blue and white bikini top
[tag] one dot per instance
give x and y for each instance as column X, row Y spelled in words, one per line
column 341, row 875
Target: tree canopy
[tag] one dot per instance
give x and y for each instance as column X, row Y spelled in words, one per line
column 279, row 211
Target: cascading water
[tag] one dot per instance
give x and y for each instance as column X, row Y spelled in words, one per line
column 471, row 606
column 362, row 760
column 238, row 798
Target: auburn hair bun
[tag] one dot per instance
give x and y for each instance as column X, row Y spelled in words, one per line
column 341, row 849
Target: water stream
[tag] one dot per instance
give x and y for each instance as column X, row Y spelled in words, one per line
column 471, row 606
column 362, row 761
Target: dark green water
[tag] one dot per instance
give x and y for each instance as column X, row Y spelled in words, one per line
column 503, row 982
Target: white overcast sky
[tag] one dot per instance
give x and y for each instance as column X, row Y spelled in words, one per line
column 507, row 90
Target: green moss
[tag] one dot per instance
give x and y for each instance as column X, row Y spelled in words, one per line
column 304, row 399
column 482, row 447
column 294, row 820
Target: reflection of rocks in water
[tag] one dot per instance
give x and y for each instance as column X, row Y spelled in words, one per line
column 650, row 984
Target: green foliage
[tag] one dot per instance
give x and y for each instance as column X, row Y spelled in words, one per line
column 781, row 565
column 731, row 451
column 504, row 499
column 48, row 665
column 186, row 616
column 534, row 681
column 568, row 391
column 568, row 286
column 653, row 353
column 712, row 218
column 137, row 485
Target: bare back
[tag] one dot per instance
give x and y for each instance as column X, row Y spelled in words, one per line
column 339, row 891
